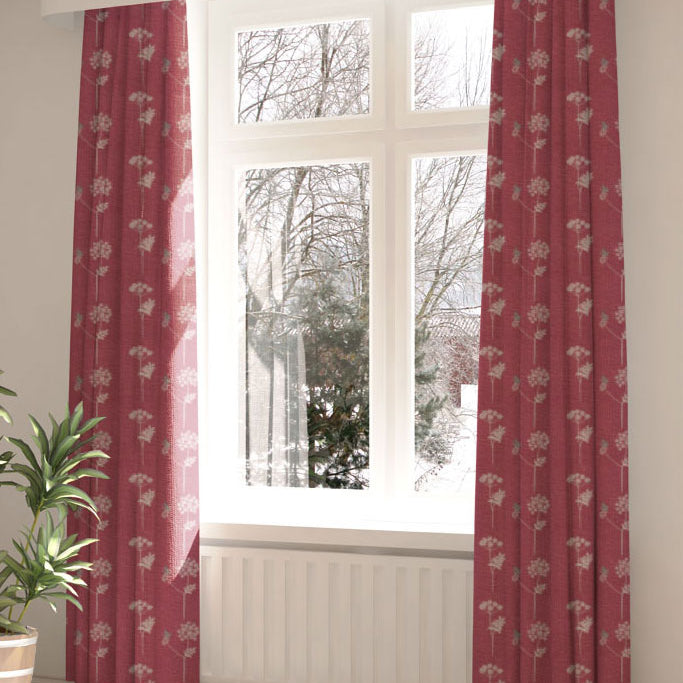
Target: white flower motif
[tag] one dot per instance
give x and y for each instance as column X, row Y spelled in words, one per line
column 100, row 249
column 140, row 669
column 140, row 415
column 140, row 478
column 538, row 631
column 140, row 33
column 188, row 631
column 146, row 307
column 187, row 504
column 187, row 377
column 140, row 161
column 538, row 567
column 188, row 441
column 539, row 59
column 140, row 97
column 539, row 123
column 490, row 670
column 100, row 313
column 538, row 250
column 187, row 313
column 623, row 631
column 190, row 568
column 621, row 505
column 490, row 479
column 538, row 313
column 146, row 53
column 103, row 503
column 100, row 59
column 147, row 625
column 100, row 631
column 100, row 123
column 147, row 370
column 538, row 441
column 538, row 377
column 147, row 562
column 140, row 288
column 101, row 186
column 101, row 567
column 490, row 606
column 140, row 352
column 147, row 180
column 538, row 504
column 184, row 123
column 147, row 116
column 101, row 377
column 139, row 543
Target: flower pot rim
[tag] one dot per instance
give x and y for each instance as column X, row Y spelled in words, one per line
column 32, row 633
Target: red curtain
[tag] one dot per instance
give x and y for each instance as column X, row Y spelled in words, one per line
column 551, row 594
column 133, row 348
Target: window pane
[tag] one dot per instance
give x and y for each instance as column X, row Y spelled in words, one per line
column 448, row 223
column 304, row 72
column 452, row 57
column 304, row 262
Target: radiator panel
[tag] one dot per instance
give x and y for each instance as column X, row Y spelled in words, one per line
column 299, row 616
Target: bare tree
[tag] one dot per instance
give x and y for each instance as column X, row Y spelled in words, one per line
column 304, row 256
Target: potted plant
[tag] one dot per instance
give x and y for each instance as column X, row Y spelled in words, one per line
column 43, row 564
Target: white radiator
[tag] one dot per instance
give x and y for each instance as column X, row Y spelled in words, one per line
column 302, row 616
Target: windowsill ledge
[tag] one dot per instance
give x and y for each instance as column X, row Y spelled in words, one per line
column 406, row 541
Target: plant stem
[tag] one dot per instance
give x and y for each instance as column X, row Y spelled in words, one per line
column 28, row 542
column 23, row 611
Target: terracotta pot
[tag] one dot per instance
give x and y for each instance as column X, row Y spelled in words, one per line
column 17, row 656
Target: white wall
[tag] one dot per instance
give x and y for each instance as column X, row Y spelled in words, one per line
column 39, row 73
column 39, row 68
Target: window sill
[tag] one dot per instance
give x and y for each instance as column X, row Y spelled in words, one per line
column 405, row 541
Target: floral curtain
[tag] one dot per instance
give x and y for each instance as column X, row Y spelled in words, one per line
column 551, row 540
column 133, row 348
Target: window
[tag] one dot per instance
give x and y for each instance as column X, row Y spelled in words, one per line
column 346, row 196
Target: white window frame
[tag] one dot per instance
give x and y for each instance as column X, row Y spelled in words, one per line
column 389, row 138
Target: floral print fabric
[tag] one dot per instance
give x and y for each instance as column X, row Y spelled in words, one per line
column 551, row 539
column 133, row 349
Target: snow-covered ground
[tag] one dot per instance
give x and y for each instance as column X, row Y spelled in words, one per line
column 458, row 476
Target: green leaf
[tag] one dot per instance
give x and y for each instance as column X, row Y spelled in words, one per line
column 5, row 415
column 74, row 549
column 79, row 566
column 64, row 596
column 62, row 430
column 77, row 459
column 76, row 418
column 88, row 472
column 71, row 494
column 16, row 568
column 6, row 572
column 26, row 450
column 34, row 478
column 7, row 392
column 12, row 626
column 53, row 545
column 90, row 424
column 65, row 447
column 6, row 601
column 55, row 430
column 40, row 435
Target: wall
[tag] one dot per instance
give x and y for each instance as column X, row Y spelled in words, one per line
column 651, row 100
column 39, row 72
column 39, row 83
